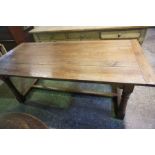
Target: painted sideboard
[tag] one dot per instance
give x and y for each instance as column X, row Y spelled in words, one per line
column 58, row 33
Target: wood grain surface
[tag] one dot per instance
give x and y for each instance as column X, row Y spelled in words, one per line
column 107, row 61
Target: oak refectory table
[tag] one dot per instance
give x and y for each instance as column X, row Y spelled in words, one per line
column 120, row 63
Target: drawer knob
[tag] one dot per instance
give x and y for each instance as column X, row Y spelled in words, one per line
column 119, row 35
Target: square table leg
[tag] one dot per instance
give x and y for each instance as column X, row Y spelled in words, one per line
column 8, row 82
column 122, row 102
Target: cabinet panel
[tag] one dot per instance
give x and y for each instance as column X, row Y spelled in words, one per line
column 120, row 34
column 74, row 36
column 44, row 37
column 83, row 35
column 59, row 36
column 50, row 36
column 90, row 35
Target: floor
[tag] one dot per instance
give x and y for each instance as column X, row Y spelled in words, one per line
column 141, row 106
column 63, row 110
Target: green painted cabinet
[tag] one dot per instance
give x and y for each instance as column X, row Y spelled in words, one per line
column 44, row 34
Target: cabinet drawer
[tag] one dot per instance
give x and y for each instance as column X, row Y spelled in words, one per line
column 83, row 35
column 120, row 34
column 44, row 37
column 59, row 36
column 74, row 36
column 50, row 36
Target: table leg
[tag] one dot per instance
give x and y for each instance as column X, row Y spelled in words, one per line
column 14, row 90
column 121, row 109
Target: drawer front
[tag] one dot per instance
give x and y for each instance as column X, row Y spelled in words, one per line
column 59, row 36
column 83, row 35
column 45, row 37
column 74, row 36
column 120, row 34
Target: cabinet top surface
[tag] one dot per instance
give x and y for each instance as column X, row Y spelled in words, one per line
column 41, row 29
column 108, row 61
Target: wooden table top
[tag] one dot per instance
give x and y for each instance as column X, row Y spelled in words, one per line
column 42, row 29
column 107, row 61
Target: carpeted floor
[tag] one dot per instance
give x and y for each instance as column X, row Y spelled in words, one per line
column 141, row 106
column 64, row 110
column 83, row 111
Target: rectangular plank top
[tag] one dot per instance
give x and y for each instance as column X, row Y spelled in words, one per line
column 107, row 61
